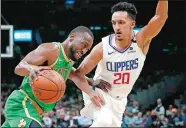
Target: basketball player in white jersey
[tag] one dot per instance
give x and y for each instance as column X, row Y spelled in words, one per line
column 120, row 58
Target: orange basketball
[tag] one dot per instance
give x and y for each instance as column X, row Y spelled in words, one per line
column 49, row 87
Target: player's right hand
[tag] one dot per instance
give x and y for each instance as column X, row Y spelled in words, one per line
column 35, row 72
column 97, row 99
column 103, row 85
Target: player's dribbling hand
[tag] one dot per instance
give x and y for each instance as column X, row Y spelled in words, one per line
column 103, row 85
column 97, row 99
column 35, row 72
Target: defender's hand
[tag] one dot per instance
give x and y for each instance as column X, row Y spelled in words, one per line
column 35, row 72
column 97, row 99
column 103, row 85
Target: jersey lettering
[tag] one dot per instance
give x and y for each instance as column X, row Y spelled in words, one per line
column 121, row 78
column 122, row 66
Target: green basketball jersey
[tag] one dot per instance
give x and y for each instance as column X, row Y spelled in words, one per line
column 62, row 65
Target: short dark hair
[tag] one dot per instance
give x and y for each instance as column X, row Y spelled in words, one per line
column 82, row 29
column 124, row 6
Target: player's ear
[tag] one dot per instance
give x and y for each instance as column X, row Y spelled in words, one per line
column 133, row 24
column 71, row 37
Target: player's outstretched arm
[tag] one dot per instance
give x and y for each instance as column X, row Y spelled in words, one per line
column 99, row 83
column 33, row 59
column 91, row 60
column 78, row 75
column 88, row 64
column 154, row 26
column 89, row 80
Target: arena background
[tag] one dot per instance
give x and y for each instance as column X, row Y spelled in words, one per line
column 163, row 75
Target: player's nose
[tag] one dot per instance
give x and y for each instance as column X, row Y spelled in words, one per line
column 117, row 27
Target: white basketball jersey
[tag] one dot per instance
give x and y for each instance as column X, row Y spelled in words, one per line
column 120, row 68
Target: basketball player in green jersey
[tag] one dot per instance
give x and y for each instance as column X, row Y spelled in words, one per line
column 22, row 109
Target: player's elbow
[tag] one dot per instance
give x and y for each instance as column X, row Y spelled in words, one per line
column 73, row 76
column 162, row 18
column 20, row 71
column 79, row 72
column 16, row 70
column 77, row 78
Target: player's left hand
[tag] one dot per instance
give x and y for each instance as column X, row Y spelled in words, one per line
column 35, row 72
column 97, row 99
column 103, row 85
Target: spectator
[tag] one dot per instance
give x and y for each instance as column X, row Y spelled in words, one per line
column 163, row 121
column 132, row 106
column 154, row 118
column 73, row 121
column 84, row 121
column 129, row 106
column 61, row 122
column 183, row 116
column 174, row 119
column 47, row 121
column 138, row 120
column 129, row 118
column 168, row 112
column 160, row 110
column 148, row 119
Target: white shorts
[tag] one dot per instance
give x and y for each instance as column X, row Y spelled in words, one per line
column 110, row 115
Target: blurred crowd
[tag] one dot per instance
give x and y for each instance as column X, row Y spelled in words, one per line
column 67, row 112
column 133, row 116
column 173, row 116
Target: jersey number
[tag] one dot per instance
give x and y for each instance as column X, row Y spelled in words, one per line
column 121, row 78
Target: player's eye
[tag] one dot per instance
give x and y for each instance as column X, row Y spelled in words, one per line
column 113, row 23
column 121, row 22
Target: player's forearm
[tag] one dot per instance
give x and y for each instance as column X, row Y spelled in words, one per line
column 73, row 74
column 82, row 83
column 23, row 68
column 162, row 9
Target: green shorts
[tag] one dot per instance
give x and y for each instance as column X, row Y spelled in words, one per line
column 19, row 112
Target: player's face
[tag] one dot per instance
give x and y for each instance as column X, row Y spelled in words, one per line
column 122, row 25
column 79, row 46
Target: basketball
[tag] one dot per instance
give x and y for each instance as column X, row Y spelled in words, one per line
column 49, row 87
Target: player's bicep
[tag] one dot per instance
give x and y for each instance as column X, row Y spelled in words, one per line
column 90, row 61
column 37, row 56
column 151, row 29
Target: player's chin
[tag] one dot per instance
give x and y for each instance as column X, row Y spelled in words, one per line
column 120, row 39
column 75, row 58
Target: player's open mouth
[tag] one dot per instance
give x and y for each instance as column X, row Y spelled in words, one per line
column 118, row 33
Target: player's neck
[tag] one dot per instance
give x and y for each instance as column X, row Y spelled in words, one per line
column 65, row 47
column 124, row 43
